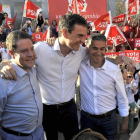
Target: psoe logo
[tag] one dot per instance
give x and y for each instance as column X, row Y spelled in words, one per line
column 37, row 36
column 82, row 5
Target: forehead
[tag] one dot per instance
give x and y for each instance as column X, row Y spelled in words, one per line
column 24, row 44
column 79, row 29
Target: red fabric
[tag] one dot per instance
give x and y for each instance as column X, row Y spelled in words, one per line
column 0, row 8
column 131, row 42
column 102, row 22
column 118, row 19
column 127, row 29
column 37, row 36
column 133, row 9
column 76, row 7
column 12, row 20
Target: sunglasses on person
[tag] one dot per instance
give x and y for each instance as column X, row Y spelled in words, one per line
column 129, row 76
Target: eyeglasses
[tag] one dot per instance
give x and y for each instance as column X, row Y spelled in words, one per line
column 129, row 76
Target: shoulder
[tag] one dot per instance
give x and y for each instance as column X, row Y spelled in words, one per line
column 112, row 66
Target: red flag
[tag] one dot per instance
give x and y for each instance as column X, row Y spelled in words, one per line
column 114, row 35
column 37, row 36
column 134, row 8
column 46, row 35
column 76, row 8
column 118, row 19
column 10, row 20
column 0, row 8
column 31, row 10
column 57, row 28
column 102, row 22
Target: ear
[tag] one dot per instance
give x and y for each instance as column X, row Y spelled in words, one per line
column 12, row 54
column 64, row 32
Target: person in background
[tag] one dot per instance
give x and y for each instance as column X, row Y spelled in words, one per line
column 29, row 25
column 11, row 27
column 130, row 90
column 54, row 24
column 38, row 29
column 40, row 19
column 131, row 41
column 111, row 49
column 4, row 21
column 4, row 51
column 26, row 30
column 123, row 48
column 45, row 25
column 2, row 33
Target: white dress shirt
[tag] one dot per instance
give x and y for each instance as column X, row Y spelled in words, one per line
column 130, row 94
column 21, row 107
column 5, row 54
column 56, row 73
column 99, row 88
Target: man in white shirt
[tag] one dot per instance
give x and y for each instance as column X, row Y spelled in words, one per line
column 101, row 82
column 57, row 68
column 4, row 51
column 21, row 107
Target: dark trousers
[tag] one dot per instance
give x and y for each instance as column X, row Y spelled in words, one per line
column 106, row 126
column 63, row 119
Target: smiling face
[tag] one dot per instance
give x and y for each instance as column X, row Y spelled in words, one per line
column 24, row 55
column 76, row 37
column 97, row 52
column 129, row 78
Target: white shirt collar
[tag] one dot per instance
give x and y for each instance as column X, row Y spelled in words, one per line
column 103, row 67
column 57, row 46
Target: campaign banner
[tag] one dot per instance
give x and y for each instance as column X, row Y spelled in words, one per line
column 37, row 36
column 137, row 42
column 133, row 54
column 87, row 8
column 119, row 18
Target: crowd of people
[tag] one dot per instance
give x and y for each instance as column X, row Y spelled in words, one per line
column 33, row 73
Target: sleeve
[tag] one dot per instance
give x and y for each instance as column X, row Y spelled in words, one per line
column 3, row 96
column 121, row 94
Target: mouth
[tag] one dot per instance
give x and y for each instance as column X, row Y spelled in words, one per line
column 30, row 60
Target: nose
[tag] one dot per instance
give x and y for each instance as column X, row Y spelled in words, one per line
column 30, row 54
column 82, row 39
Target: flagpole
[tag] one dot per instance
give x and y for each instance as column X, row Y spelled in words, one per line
column 129, row 45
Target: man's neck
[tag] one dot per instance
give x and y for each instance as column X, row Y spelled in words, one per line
column 64, row 49
column 1, row 32
column 97, row 65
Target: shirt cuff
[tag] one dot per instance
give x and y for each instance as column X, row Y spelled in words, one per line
column 124, row 112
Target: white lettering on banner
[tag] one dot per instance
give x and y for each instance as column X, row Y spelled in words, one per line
column 119, row 38
column 111, row 55
column 137, row 44
column 103, row 24
column 134, row 56
column 121, row 54
column 32, row 12
column 109, row 38
column 118, row 19
column 133, row 9
column 138, row 41
column 38, row 36
column 58, row 16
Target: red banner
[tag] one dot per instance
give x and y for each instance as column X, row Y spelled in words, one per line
column 88, row 8
column 37, row 36
column 118, row 19
column 134, row 8
column 133, row 54
column 137, row 42
column 102, row 22
column 31, row 10
column 114, row 35
column 10, row 20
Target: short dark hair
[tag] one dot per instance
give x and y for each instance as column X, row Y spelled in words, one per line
column 68, row 21
column 5, row 13
column 14, row 37
column 122, row 69
column 95, row 36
